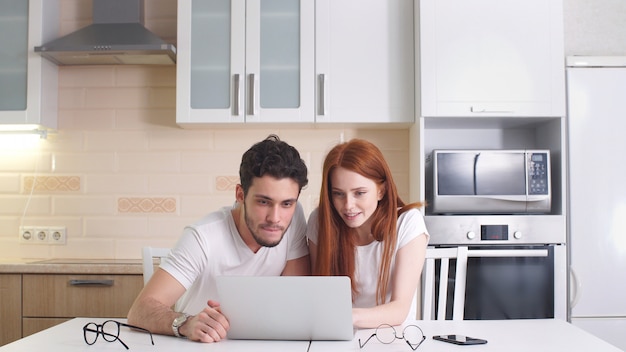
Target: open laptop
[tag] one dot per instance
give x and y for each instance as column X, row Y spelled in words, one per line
column 287, row 307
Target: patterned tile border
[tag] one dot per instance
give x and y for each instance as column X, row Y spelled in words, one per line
column 226, row 183
column 52, row 183
column 146, row 205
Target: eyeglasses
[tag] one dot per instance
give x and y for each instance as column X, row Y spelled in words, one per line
column 385, row 333
column 110, row 331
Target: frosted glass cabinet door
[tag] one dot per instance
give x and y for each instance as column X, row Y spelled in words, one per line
column 28, row 83
column 492, row 58
column 13, row 54
column 245, row 61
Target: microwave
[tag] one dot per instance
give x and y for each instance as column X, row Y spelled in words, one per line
column 490, row 182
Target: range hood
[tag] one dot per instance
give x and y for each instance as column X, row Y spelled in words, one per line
column 117, row 36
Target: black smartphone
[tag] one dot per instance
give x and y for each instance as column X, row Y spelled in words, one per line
column 460, row 339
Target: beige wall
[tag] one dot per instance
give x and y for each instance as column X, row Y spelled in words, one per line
column 120, row 174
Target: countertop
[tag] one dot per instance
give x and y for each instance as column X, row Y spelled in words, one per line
column 71, row 266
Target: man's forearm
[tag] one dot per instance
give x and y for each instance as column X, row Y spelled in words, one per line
column 151, row 314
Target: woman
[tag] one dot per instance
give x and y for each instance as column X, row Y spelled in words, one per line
column 362, row 229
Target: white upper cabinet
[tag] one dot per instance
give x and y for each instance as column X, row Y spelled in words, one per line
column 492, row 58
column 28, row 83
column 364, row 61
column 245, row 61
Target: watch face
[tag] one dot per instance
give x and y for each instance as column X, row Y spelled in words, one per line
column 180, row 320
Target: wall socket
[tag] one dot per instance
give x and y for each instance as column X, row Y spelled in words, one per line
column 43, row 235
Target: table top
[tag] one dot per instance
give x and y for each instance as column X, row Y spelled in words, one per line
column 502, row 335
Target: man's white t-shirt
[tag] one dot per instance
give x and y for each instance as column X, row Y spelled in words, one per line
column 410, row 225
column 213, row 247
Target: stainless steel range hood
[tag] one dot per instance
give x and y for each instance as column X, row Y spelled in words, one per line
column 116, row 37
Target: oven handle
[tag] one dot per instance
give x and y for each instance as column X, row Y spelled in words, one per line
column 507, row 253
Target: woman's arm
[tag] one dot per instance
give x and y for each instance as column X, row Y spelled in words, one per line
column 404, row 281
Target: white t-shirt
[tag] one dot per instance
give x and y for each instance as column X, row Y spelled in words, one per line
column 410, row 225
column 213, row 247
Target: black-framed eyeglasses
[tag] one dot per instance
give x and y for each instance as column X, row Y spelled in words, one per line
column 385, row 333
column 110, row 331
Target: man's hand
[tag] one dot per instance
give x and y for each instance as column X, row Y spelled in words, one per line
column 210, row 325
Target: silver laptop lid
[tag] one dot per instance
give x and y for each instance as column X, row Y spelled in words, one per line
column 287, row 307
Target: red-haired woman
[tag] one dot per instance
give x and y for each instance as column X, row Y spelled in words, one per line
column 362, row 229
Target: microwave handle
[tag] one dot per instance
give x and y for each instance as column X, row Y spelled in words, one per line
column 482, row 253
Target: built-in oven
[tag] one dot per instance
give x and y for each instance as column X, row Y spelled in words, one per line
column 516, row 267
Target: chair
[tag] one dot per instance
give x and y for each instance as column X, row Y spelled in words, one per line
column 147, row 255
column 444, row 255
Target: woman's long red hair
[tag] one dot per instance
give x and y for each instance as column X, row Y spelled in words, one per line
column 336, row 247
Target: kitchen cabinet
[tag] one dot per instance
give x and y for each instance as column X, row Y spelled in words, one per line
column 364, row 61
column 245, row 61
column 50, row 299
column 10, row 308
column 28, row 83
column 492, row 58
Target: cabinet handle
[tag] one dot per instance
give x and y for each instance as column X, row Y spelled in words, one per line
column 91, row 282
column 483, row 110
column 321, row 109
column 251, row 96
column 237, row 94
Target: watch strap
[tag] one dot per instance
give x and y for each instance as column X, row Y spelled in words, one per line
column 178, row 322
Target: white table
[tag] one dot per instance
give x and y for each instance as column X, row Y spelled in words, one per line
column 503, row 335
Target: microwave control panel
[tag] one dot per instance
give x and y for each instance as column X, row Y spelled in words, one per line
column 538, row 173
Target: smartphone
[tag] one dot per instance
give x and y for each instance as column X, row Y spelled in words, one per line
column 460, row 339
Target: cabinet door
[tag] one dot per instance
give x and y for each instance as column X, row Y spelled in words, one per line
column 365, row 61
column 28, row 83
column 10, row 308
column 492, row 58
column 245, row 61
column 280, row 60
column 210, row 61
column 14, row 54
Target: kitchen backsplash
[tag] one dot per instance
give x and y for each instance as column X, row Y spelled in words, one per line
column 120, row 174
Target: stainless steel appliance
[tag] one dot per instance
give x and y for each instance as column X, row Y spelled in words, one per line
column 517, row 265
column 117, row 36
column 489, row 182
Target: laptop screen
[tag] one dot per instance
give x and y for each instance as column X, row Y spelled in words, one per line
column 287, row 307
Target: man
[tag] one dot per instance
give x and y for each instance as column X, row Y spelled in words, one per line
column 263, row 234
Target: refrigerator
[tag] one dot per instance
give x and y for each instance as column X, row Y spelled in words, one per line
column 596, row 123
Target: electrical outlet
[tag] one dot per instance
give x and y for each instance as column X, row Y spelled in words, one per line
column 27, row 234
column 57, row 235
column 41, row 235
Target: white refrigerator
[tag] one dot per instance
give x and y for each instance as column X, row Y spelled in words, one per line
column 596, row 93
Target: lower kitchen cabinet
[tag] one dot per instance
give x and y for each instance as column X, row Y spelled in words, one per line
column 34, row 302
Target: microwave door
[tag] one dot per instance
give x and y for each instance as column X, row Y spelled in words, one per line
column 499, row 174
column 455, row 174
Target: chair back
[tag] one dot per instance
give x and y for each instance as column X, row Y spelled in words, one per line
column 148, row 254
column 430, row 305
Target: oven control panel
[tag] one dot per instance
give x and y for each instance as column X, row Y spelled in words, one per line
column 501, row 230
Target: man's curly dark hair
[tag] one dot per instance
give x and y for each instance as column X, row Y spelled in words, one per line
column 272, row 157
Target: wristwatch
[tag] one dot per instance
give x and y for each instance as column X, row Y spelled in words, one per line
column 178, row 322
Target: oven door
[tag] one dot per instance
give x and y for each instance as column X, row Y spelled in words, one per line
column 515, row 282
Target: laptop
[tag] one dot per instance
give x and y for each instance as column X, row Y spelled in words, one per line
column 287, row 307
